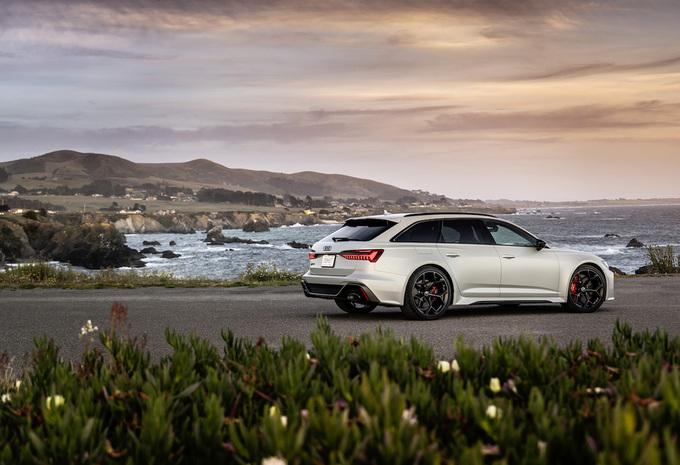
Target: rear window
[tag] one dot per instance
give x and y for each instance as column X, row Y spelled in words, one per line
column 426, row 231
column 362, row 230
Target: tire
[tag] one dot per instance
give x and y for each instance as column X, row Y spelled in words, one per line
column 428, row 294
column 587, row 290
column 355, row 308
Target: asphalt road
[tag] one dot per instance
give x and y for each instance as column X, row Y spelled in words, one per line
column 272, row 312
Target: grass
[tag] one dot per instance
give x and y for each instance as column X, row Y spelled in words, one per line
column 46, row 275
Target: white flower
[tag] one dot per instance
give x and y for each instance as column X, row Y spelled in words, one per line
column 542, row 447
column 409, row 416
column 493, row 412
column 273, row 461
column 284, row 420
column 444, row 366
column 17, row 385
column 495, row 385
column 87, row 328
column 598, row 390
column 455, row 366
column 5, row 398
column 56, row 401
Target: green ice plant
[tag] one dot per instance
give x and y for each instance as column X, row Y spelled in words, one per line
column 368, row 398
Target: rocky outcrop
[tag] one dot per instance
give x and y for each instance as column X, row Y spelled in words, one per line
column 135, row 224
column 189, row 223
column 170, row 254
column 256, row 225
column 634, row 243
column 94, row 246
column 297, row 245
column 14, row 243
column 149, row 250
column 617, row 271
column 215, row 237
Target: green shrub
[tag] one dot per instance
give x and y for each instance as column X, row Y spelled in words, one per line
column 662, row 260
column 31, row 215
column 364, row 399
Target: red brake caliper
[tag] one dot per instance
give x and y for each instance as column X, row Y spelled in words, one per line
column 574, row 285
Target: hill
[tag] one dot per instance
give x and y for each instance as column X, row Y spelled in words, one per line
column 74, row 169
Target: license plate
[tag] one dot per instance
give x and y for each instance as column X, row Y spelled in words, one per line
column 328, row 261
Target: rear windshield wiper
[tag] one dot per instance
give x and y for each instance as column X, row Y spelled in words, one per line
column 340, row 239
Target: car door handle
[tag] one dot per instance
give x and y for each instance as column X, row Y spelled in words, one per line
column 508, row 257
column 452, row 255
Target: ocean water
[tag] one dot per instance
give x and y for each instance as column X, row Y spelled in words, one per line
column 229, row 260
column 584, row 228
column 581, row 228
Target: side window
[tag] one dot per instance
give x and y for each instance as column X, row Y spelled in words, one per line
column 462, row 232
column 426, row 231
column 506, row 234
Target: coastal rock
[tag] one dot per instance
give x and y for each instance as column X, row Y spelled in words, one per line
column 256, row 225
column 238, row 240
column 182, row 224
column 297, row 245
column 14, row 242
column 151, row 243
column 151, row 250
column 634, row 243
column 170, row 254
column 138, row 224
column 172, row 243
column 215, row 236
column 643, row 270
column 617, row 271
column 94, row 246
column 611, row 235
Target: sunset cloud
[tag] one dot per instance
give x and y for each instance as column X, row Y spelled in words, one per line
column 478, row 88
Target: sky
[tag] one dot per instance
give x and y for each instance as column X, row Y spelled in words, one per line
column 516, row 99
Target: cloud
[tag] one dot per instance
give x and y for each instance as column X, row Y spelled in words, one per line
column 123, row 14
column 116, row 54
column 598, row 68
column 320, row 114
column 581, row 118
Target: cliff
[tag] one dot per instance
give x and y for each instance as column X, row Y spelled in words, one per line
column 188, row 223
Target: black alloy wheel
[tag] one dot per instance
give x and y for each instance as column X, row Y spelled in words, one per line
column 587, row 290
column 355, row 308
column 428, row 294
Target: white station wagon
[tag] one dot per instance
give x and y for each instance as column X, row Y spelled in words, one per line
column 426, row 262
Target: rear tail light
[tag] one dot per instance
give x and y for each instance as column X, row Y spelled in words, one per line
column 312, row 256
column 370, row 255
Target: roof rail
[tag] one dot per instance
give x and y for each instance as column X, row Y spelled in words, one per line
column 449, row 213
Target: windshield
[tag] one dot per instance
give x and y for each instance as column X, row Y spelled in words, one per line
column 362, row 229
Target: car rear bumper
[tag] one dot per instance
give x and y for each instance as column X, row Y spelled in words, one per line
column 379, row 288
column 353, row 292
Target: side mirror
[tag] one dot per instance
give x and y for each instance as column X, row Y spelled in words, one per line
column 541, row 244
